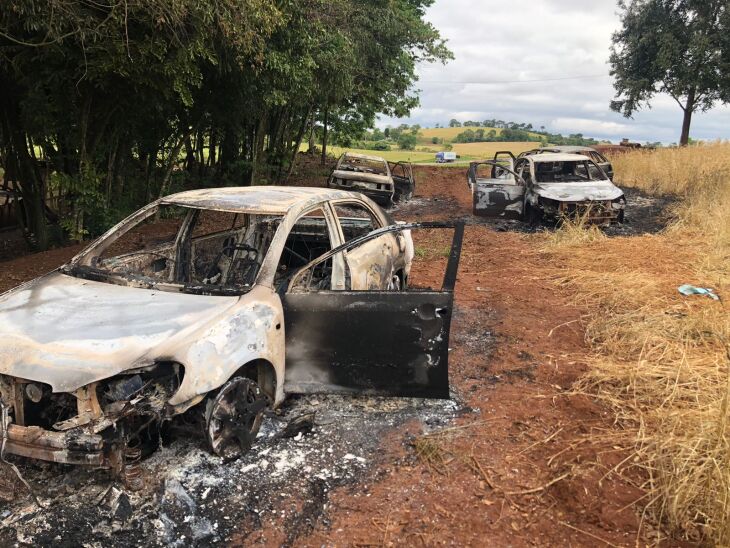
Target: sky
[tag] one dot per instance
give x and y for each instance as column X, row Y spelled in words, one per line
column 565, row 42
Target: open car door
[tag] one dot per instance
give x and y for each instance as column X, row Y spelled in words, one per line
column 497, row 190
column 389, row 343
column 506, row 158
column 405, row 183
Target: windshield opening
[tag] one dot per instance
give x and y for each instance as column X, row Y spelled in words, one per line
column 567, row 172
column 183, row 249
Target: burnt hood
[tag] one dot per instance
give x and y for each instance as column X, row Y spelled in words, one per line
column 578, row 192
column 68, row 332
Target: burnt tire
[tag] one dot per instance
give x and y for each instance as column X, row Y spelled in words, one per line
column 233, row 417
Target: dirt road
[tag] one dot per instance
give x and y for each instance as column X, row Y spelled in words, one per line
column 514, row 460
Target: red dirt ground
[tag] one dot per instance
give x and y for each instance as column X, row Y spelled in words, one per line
column 517, row 348
column 525, row 469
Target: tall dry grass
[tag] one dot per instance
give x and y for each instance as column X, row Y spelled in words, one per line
column 661, row 359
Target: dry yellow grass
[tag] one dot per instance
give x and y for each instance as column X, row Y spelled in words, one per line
column 661, row 359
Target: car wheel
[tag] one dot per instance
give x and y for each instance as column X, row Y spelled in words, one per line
column 233, row 417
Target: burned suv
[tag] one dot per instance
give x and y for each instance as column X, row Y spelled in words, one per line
column 216, row 304
column 547, row 185
column 600, row 160
column 382, row 181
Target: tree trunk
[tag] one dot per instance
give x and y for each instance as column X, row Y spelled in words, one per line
column 112, row 162
column 298, row 144
column 189, row 155
column 310, row 151
column 24, row 171
column 258, row 148
column 688, row 111
column 174, row 154
column 324, row 135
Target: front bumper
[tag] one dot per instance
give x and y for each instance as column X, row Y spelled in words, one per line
column 595, row 213
column 63, row 447
column 382, row 196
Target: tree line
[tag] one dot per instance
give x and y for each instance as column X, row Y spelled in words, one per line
column 112, row 103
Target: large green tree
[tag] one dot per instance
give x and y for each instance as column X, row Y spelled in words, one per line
column 109, row 104
column 677, row 47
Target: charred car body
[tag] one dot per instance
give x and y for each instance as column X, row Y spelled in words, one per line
column 213, row 305
column 546, row 185
column 599, row 159
column 382, row 181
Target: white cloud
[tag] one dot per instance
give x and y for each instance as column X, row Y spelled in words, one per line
column 588, row 126
column 496, row 42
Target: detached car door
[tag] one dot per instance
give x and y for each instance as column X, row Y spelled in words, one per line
column 498, row 191
column 389, row 343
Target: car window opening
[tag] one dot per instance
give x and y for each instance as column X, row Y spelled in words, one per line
column 567, row 172
column 308, row 240
column 183, row 249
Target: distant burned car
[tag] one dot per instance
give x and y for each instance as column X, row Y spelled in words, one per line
column 599, row 159
column 382, row 181
column 216, row 304
column 546, row 185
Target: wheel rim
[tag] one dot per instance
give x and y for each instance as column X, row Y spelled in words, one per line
column 234, row 418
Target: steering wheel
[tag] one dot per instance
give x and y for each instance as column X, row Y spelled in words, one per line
column 229, row 249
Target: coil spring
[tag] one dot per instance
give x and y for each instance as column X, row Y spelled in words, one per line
column 132, row 474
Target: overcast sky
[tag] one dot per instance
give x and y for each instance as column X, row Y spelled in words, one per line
column 498, row 42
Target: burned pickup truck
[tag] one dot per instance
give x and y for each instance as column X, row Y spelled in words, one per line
column 549, row 185
column 382, row 181
column 215, row 304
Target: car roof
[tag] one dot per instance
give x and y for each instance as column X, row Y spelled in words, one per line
column 263, row 200
column 363, row 156
column 557, row 157
column 570, row 148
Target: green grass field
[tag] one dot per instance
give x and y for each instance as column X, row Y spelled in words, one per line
column 466, row 152
column 487, row 150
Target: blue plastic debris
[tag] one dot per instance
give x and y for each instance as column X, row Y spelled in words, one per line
column 688, row 290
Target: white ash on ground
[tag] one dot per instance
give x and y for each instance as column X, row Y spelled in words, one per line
column 191, row 497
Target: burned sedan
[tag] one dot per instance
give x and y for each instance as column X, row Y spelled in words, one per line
column 212, row 305
column 548, row 185
column 382, row 181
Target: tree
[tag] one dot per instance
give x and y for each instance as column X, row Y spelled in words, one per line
column 407, row 141
column 120, row 102
column 454, row 123
column 677, row 47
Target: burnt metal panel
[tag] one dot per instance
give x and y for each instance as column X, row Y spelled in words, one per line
column 452, row 267
column 493, row 198
column 368, row 342
column 391, row 343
